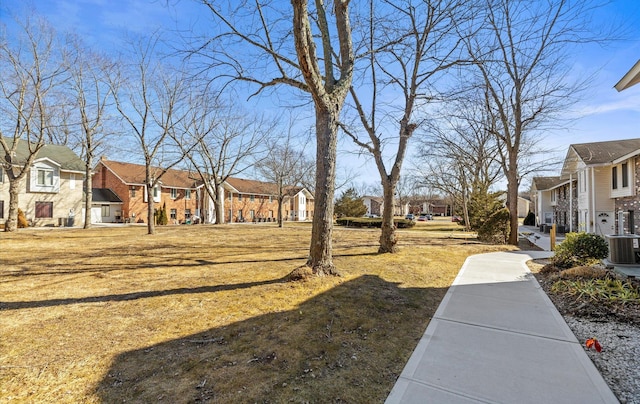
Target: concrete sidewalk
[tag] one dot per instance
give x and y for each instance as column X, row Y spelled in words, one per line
column 497, row 338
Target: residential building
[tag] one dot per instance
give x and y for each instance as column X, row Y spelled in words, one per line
column 179, row 191
column 250, row 200
column 596, row 191
column 373, row 204
column 121, row 197
column 52, row 192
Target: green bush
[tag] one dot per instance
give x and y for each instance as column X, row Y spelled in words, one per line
column 530, row 220
column 495, row 229
column 580, row 249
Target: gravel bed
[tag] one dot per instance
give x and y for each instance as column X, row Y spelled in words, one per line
column 619, row 361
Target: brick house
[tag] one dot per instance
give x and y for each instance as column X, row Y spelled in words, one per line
column 52, row 192
column 186, row 200
column 250, row 200
column 179, row 190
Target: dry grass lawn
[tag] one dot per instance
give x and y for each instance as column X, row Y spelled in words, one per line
column 202, row 313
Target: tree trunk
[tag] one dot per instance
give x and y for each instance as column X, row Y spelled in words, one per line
column 88, row 185
column 280, row 201
column 217, row 204
column 12, row 219
column 151, row 224
column 320, row 251
column 512, row 198
column 388, row 239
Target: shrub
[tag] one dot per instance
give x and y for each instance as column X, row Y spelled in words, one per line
column 495, row 229
column 530, row 220
column 580, row 249
column 22, row 220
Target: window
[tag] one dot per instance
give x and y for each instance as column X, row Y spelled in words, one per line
column 1, row 175
column 252, row 198
column 45, row 177
column 240, row 215
column 230, row 196
column 1, row 209
column 625, row 175
column 72, row 181
column 553, row 195
column 614, row 177
column 252, row 214
column 106, row 210
column 173, row 214
column 187, row 194
column 44, row 210
column 271, row 214
column 174, row 193
column 133, row 192
column 270, row 198
column 239, row 197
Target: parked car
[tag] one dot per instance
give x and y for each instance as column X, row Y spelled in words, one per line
column 410, row 216
column 456, row 218
column 424, row 218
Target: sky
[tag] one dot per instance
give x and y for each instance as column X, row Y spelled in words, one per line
column 602, row 114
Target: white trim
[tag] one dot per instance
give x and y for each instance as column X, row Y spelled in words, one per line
column 631, row 78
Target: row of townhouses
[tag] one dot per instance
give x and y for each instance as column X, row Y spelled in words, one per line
column 52, row 194
column 597, row 191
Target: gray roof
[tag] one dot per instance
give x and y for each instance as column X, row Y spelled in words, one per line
column 104, row 195
column 544, row 183
column 605, row 152
column 62, row 155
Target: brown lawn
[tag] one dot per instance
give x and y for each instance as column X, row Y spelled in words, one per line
column 202, row 313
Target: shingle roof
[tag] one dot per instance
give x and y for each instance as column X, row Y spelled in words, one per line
column 135, row 174
column 62, row 155
column 104, row 195
column 244, row 186
column 605, row 152
column 543, row 183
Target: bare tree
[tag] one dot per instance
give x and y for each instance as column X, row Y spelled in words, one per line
column 91, row 93
column 405, row 54
column 150, row 99
column 228, row 140
column 520, row 58
column 309, row 48
column 286, row 166
column 33, row 69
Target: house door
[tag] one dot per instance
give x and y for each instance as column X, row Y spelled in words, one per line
column 96, row 214
column 605, row 223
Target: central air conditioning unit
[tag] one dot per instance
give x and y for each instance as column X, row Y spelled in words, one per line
column 622, row 248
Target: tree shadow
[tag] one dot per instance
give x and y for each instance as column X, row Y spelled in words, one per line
column 133, row 295
column 348, row 344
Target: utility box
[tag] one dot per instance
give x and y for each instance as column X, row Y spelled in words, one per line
column 623, row 248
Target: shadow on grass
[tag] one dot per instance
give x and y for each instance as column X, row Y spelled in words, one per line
column 348, row 344
column 133, row 296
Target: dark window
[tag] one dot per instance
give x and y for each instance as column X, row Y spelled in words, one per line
column 1, row 209
column 631, row 223
column 614, row 178
column 187, row 213
column 173, row 214
column 625, row 175
column 44, row 209
column 239, row 197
